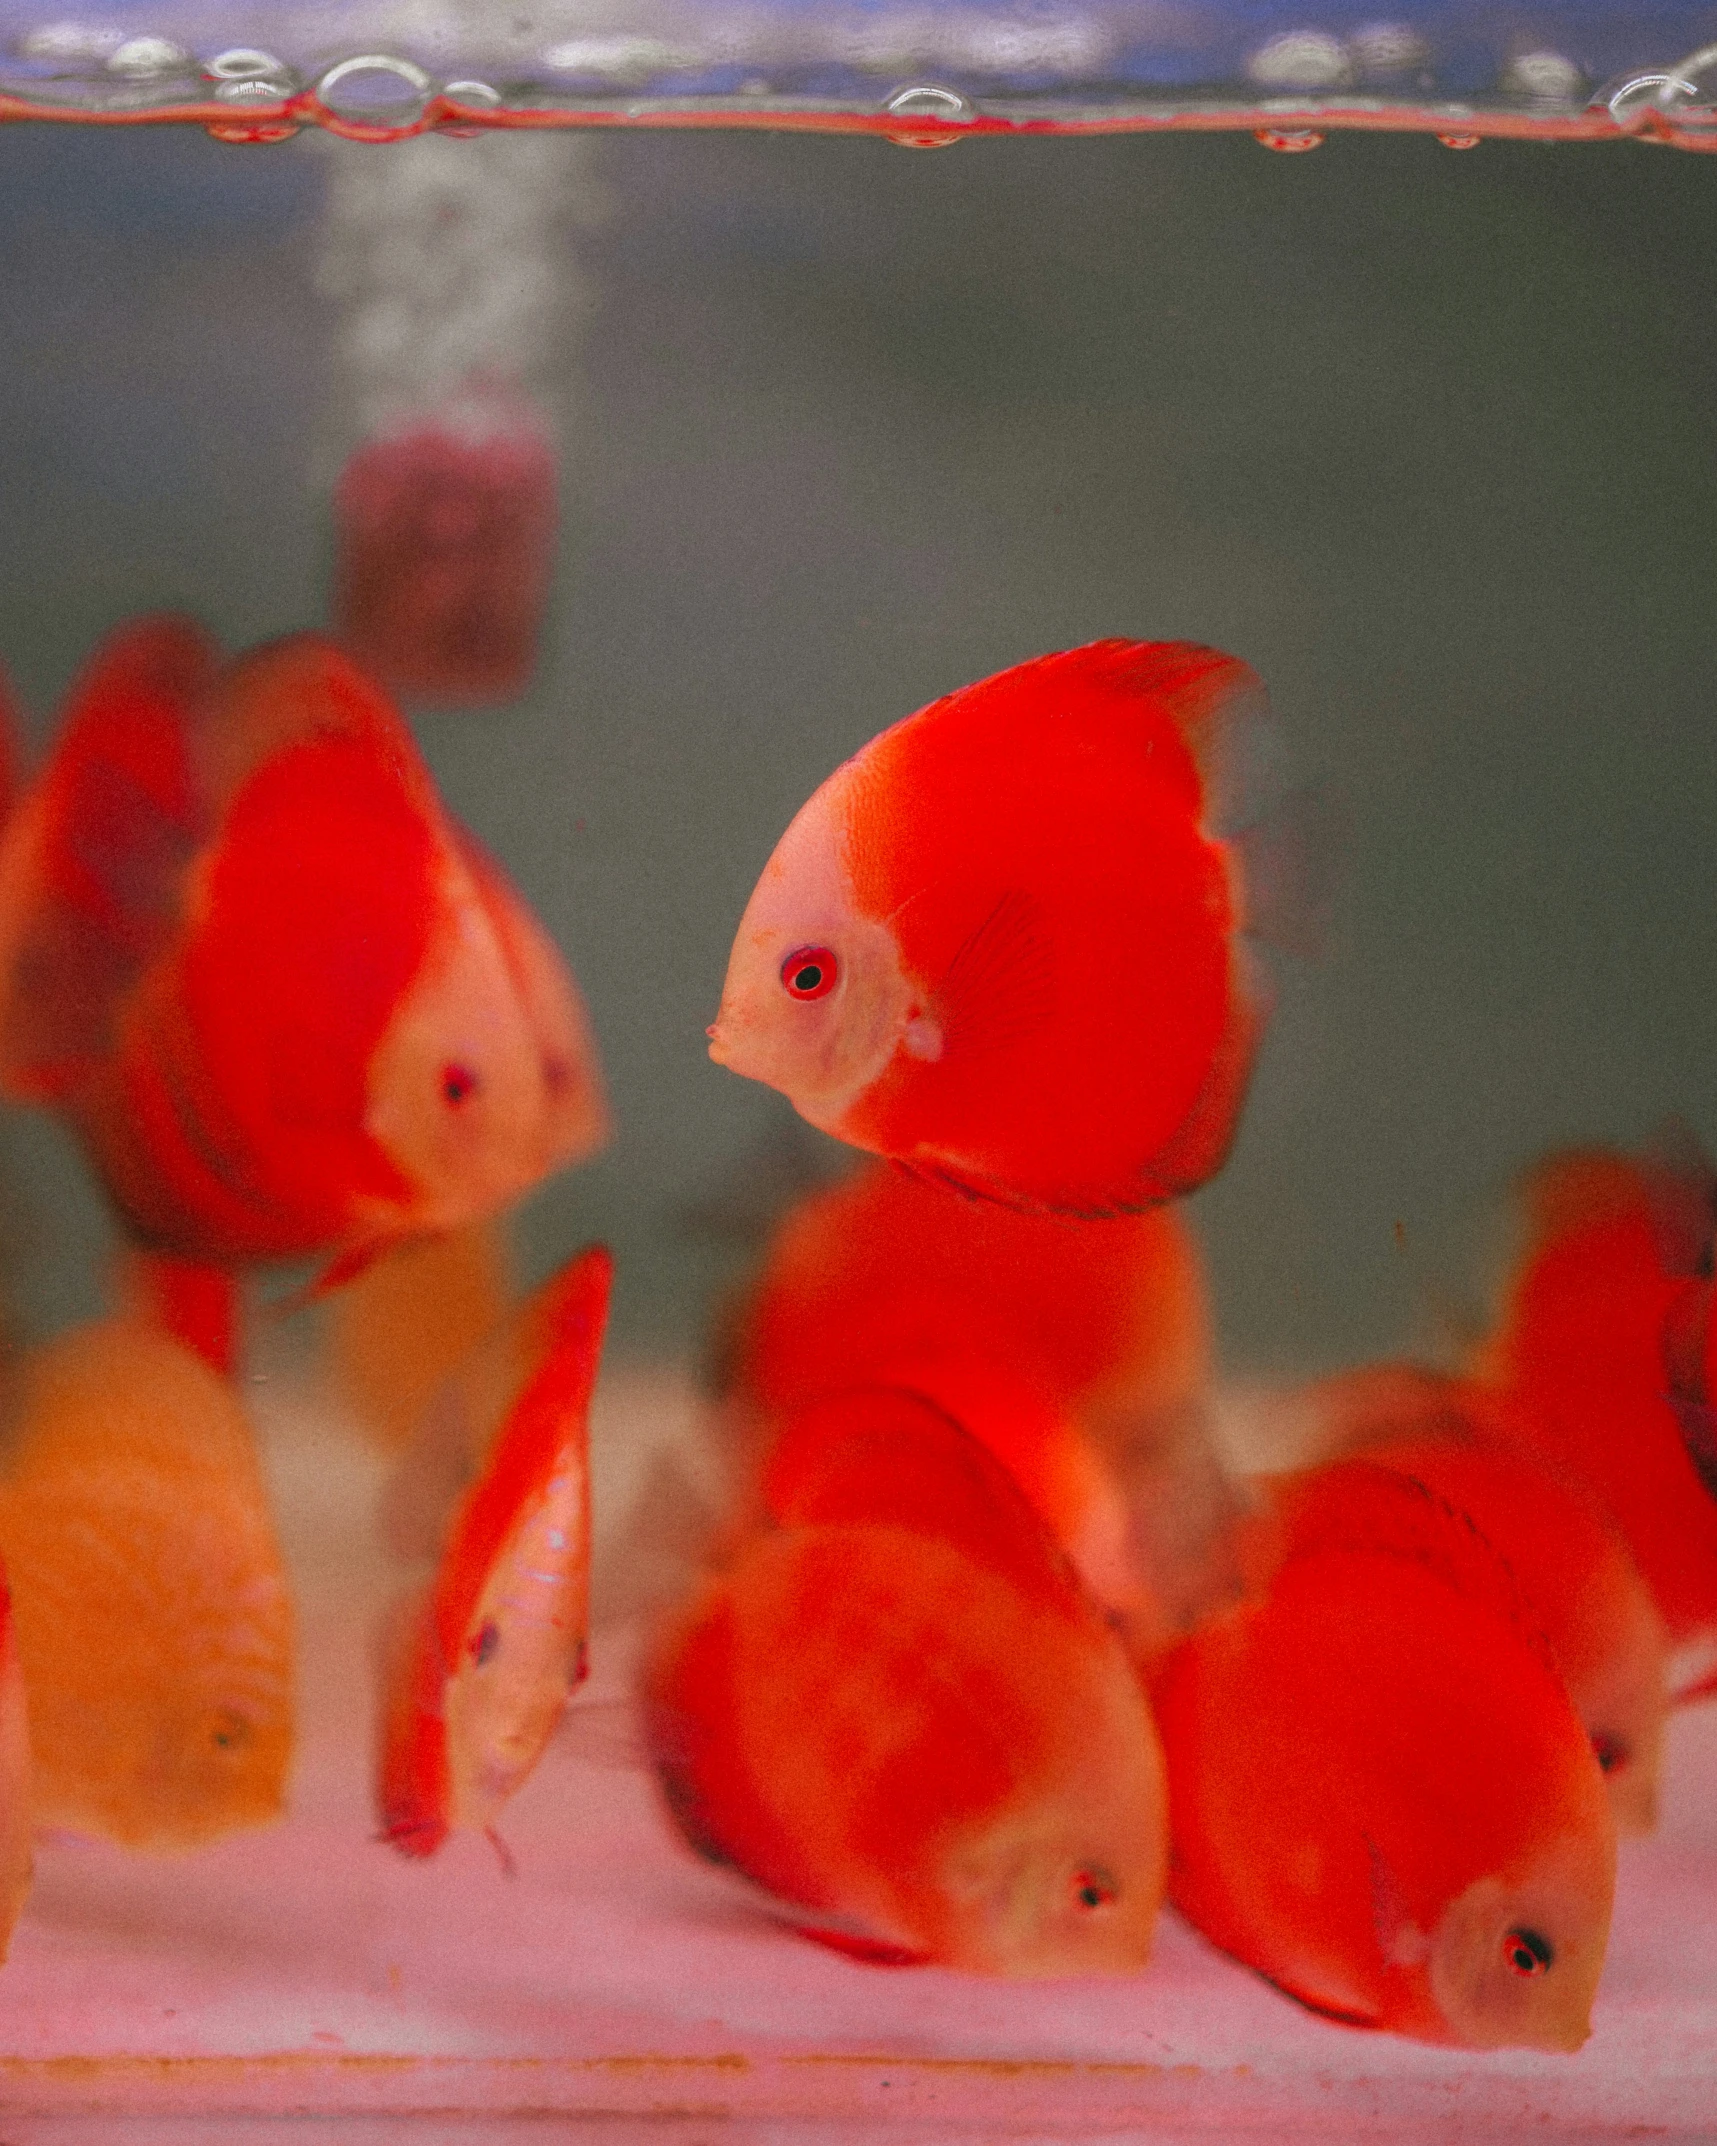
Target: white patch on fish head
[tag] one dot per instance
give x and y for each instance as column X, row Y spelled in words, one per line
column 1069, row 1881
column 1515, row 1962
column 822, row 1047
column 575, row 1114
column 458, row 1092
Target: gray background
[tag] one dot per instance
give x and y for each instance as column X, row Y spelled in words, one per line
column 1426, row 437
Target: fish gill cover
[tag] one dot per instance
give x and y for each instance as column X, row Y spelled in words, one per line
column 923, row 72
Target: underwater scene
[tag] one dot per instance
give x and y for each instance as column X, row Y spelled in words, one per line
column 857, row 1190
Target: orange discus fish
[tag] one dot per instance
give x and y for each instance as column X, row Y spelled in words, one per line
column 17, row 1822
column 151, row 1606
column 919, row 1758
column 1078, row 1353
column 1002, row 945
column 405, row 1324
column 1381, row 1796
column 1462, row 1443
column 482, row 1665
column 286, row 1002
column 1605, row 1340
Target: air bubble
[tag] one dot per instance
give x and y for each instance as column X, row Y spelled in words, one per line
column 141, row 57
column 476, row 97
column 1291, row 141
column 244, row 63
column 1301, row 59
column 69, row 43
column 375, row 90
column 631, row 61
column 925, row 100
column 1384, row 49
column 1545, row 77
column 1688, row 101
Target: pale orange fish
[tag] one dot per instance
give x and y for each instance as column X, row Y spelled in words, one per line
column 153, row 1620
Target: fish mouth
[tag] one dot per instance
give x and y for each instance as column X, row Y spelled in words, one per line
column 717, row 1042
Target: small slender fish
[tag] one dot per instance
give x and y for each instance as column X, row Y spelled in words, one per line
column 1381, row 1796
column 896, row 1712
column 1079, row 1353
column 1604, row 1339
column 149, row 1598
column 480, row 1666
column 1468, row 1446
column 1003, row 945
column 289, row 1007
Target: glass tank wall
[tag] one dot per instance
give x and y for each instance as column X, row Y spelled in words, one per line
column 1425, row 438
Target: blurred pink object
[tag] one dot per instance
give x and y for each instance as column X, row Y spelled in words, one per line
column 445, row 528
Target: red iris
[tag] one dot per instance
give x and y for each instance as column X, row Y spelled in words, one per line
column 457, row 1083
column 810, row 971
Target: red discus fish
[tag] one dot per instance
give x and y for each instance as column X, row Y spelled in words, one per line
column 1078, row 1353
column 1002, row 945
column 16, row 1817
column 287, row 1003
column 1381, row 1797
column 922, row 1759
column 1463, row 1444
column 482, row 1665
column 1605, row 1340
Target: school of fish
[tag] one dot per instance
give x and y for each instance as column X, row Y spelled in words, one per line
column 990, row 1651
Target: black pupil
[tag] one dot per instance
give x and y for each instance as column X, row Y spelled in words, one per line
column 1610, row 1753
column 484, row 1645
column 1528, row 1953
column 457, row 1083
column 1094, row 1890
column 808, row 978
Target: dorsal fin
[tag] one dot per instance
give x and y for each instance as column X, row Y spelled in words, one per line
column 1357, row 1508
column 93, row 860
column 293, row 692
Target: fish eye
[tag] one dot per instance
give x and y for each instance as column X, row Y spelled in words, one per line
column 231, row 1731
column 485, row 1641
column 811, row 972
column 1094, row 1888
column 1526, row 1952
column 458, row 1083
column 1609, row 1751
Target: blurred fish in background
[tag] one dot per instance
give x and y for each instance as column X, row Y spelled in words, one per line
column 452, row 264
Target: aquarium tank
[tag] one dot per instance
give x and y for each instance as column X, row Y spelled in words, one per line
column 856, row 1209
